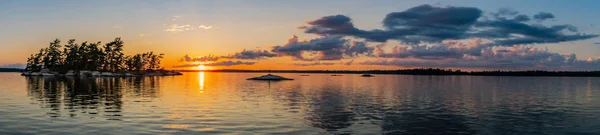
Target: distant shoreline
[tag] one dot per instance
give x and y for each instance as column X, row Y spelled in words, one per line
column 436, row 72
column 11, row 70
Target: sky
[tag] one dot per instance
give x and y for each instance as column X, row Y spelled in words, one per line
column 315, row 34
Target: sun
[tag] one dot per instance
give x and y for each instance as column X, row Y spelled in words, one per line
column 202, row 67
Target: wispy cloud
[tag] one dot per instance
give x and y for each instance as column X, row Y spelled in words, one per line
column 174, row 28
column 208, row 58
column 313, row 64
column 206, row 27
column 251, row 54
column 219, row 63
column 175, row 18
column 229, row 63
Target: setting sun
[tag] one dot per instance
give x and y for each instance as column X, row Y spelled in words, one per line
column 202, row 67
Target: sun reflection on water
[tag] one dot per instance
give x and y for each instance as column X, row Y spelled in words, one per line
column 201, row 81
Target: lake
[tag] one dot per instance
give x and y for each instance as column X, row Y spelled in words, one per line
column 226, row 103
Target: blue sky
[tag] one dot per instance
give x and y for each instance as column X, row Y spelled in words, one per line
column 240, row 24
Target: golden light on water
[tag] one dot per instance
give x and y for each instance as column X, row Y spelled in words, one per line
column 201, row 81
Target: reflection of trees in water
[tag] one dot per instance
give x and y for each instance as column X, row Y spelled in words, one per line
column 88, row 96
column 145, row 86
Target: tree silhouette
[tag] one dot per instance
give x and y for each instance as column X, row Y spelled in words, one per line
column 90, row 56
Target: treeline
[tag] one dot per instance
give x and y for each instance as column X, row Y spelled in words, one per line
column 427, row 71
column 10, row 70
column 91, row 56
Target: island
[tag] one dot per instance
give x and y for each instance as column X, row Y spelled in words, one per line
column 88, row 59
column 269, row 77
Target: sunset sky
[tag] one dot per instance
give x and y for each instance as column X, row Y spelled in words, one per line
column 315, row 34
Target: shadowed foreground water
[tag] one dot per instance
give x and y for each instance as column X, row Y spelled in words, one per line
column 226, row 103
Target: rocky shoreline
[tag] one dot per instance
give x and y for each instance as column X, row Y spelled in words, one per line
column 85, row 73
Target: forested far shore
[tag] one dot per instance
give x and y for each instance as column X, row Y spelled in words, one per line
column 11, row 70
column 91, row 56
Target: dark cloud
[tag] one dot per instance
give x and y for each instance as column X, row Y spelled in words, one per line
column 187, row 65
column 208, row 58
column 323, row 48
column 229, row 63
column 543, row 16
column 423, row 23
column 313, row 64
column 515, row 57
column 251, row 54
column 332, row 25
column 505, row 12
column 522, row 18
column 357, row 48
column 440, row 51
column 430, row 24
column 511, row 32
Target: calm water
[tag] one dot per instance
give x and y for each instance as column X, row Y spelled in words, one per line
column 226, row 103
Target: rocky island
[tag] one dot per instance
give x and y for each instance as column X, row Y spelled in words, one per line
column 92, row 60
column 269, row 77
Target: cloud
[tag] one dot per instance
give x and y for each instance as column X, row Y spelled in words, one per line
column 219, row 63
column 251, row 54
column 142, row 34
column 229, row 63
column 521, row 57
column 445, row 50
column 206, row 27
column 175, row 18
column 422, row 23
column 323, row 48
column 541, row 16
column 357, row 48
column 313, row 64
column 174, row 28
column 208, row 58
column 430, row 36
column 431, row 24
column 522, row 18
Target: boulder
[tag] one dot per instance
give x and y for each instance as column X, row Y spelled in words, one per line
column 70, row 73
column 26, row 74
column 95, row 73
column 107, row 74
column 48, row 74
column 83, row 73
